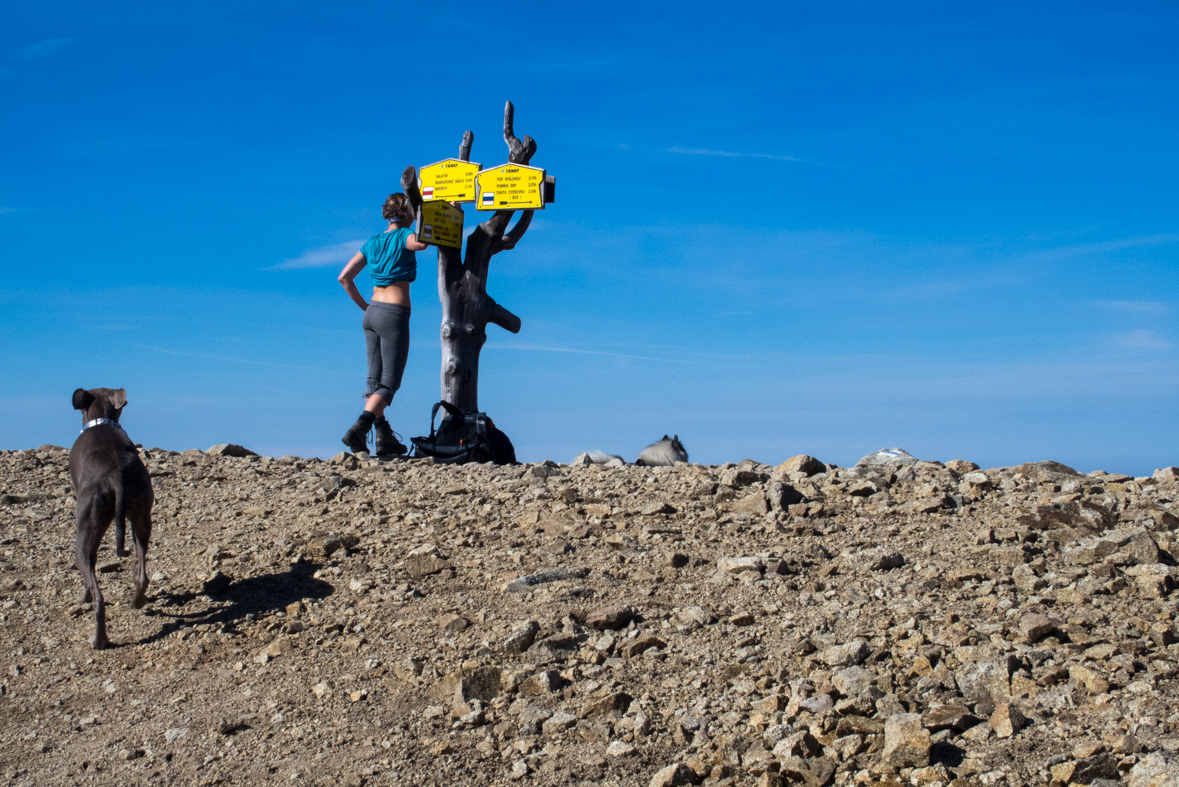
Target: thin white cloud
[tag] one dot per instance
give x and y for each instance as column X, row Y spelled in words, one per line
column 1144, row 340
column 1065, row 252
column 7, row 210
column 538, row 348
column 708, row 152
column 41, row 49
column 1134, row 307
column 321, row 257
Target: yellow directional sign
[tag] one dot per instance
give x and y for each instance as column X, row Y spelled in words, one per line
column 510, row 187
column 440, row 224
column 452, row 180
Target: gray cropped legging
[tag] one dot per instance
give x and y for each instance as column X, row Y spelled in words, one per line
column 386, row 338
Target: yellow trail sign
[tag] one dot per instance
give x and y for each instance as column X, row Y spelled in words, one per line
column 440, row 224
column 510, row 187
column 452, row 180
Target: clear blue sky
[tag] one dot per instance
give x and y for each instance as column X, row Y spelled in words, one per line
column 781, row 228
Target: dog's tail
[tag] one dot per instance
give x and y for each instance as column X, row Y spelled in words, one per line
column 120, row 517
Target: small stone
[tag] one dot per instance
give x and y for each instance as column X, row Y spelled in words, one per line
column 1026, row 580
column 615, row 703
column 769, row 705
column 1007, row 720
column 175, row 734
column 451, row 623
column 558, row 722
column 906, row 741
column 951, row 716
column 641, row 644
column 424, row 561
column 408, row 669
column 278, row 648
column 852, row 681
column 475, row 718
column 674, row 775
column 1088, row 678
column 519, row 770
column 1153, row 580
column 610, row 618
column 739, row 565
column 230, row 449
column 618, row 749
column 1167, row 474
column 807, row 465
column 545, row 682
column 321, row 689
column 1155, row 769
column 754, row 504
column 875, row 559
column 1034, row 626
column 561, row 574
column 522, row 638
column 737, row 477
column 850, row 654
column 987, row 680
column 798, row 744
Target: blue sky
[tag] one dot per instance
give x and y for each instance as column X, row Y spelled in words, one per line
column 781, row 228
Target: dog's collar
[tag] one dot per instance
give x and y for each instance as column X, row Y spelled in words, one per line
column 98, row 421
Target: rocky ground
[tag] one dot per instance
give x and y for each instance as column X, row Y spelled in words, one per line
column 367, row 622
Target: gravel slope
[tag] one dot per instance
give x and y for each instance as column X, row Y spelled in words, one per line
column 364, row 622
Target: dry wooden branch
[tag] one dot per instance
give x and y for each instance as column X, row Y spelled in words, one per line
column 462, row 279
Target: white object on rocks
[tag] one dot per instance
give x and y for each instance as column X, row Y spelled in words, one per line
column 888, row 457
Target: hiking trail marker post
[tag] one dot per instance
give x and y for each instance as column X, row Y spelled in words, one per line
column 462, row 283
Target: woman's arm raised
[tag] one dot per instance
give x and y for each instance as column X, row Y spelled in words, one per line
column 348, row 274
column 411, row 243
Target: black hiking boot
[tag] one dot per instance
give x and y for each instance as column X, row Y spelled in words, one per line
column 386, row 442
column 356, row 438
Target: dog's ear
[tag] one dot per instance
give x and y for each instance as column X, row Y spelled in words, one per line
column 118, row 398
column 665, row 437
column 675, row 438
column 82, row 399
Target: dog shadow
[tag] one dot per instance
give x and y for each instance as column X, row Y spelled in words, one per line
column 254, row 595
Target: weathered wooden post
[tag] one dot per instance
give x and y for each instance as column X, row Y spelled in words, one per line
column 462, row 284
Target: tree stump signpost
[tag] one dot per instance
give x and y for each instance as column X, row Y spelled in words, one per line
column 462, row 283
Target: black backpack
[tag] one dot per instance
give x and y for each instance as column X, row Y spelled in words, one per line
column 464, row 437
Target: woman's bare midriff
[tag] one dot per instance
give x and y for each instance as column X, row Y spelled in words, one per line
column 396, row 293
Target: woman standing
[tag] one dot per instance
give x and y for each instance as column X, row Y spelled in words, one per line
column 392, row 264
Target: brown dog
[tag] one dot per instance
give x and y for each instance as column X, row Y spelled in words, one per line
column 110, row 482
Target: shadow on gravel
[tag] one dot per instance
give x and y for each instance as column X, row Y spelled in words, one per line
column 249, row 596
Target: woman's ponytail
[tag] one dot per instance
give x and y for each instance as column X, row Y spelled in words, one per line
column 397, row 209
